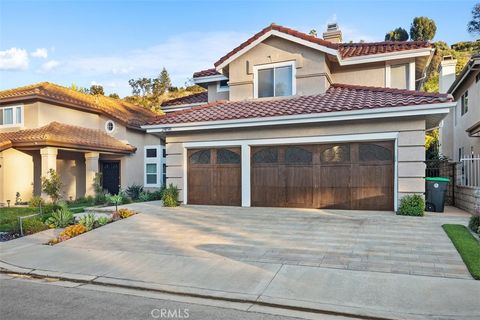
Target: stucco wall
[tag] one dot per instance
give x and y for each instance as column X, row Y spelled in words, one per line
column 17, row 175
column 411, row 150
column 371, row 74
column 462, row 123
column 311, row 68
column 214, row 95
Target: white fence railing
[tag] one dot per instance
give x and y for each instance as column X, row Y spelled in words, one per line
column 470, row 171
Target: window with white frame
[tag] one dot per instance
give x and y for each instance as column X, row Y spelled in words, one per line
column 464, row 103
column 222, row 86
column 153, row 166
column 274, row 80
column 11, row 116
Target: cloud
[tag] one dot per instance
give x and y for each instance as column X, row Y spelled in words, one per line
column 181, row 55
column 40, row 53
column 14, row 59
column 349, row 32
column 48, row 66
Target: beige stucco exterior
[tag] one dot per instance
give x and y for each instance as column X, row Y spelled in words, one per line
column 21, row 171
column 410, row 145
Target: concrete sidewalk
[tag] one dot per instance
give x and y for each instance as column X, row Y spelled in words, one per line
column 359, row 293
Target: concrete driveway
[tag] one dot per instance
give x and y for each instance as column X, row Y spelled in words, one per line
column 352, row 240
column 371, row 264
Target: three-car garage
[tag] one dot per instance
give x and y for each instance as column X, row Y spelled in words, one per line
column 355, row 175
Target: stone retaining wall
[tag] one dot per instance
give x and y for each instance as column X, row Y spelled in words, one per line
column 467, row 198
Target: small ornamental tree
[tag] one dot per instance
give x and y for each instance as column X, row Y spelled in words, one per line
column 399, row 34
column 52, row 185
column 423, row 29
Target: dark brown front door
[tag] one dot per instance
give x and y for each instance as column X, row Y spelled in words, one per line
column 340, row 176
column 111, row 176
column 214, row 176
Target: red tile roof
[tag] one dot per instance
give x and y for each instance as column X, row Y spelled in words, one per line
column 120, row 110
column 206, row 73
column 339, row 97
column 346, row 50
column 57, row 134
column 201, row 97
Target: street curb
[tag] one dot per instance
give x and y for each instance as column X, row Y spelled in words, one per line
column 6, row 268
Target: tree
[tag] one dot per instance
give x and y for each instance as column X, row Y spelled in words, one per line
column 422, row 29
column 474, row 24
column 398, row 34
column 114, row 96
column 96, row 89
column 162, row 83
column 51, row 185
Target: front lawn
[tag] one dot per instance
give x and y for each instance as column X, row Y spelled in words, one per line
column 467, row 246
column 9, row 217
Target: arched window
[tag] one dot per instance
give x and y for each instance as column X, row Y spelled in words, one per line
column 225, row 156
column 200, row 157
column 267, row 155
column 340, row 153
column 373, row 152
column 297, row 155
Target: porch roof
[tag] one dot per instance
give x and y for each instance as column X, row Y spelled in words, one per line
column 62, row 135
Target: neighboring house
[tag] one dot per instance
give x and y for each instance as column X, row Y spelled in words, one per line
column 45, row 126
column 293, row 120
column 460, row 130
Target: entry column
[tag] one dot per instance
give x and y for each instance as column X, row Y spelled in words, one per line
column 49, row 162
column 91, row 169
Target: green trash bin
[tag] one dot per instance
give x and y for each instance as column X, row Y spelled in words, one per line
column 435, row 190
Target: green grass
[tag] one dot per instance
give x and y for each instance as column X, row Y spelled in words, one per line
column 467, row 246
column 9, row 217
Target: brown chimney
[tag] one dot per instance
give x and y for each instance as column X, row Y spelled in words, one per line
column 333, row 33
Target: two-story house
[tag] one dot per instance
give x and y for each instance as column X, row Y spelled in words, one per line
column 46, row 126
column 294, row 120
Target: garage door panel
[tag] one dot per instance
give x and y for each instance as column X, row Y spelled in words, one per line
column 341, row 176
column 214, row 176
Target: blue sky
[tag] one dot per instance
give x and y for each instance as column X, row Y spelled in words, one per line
column 110, row 42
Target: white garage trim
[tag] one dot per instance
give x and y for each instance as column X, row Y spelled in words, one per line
column 246, row 146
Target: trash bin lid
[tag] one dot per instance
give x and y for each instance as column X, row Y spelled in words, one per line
column 437, row 179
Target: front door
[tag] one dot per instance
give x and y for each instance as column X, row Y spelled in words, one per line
column 111, row 176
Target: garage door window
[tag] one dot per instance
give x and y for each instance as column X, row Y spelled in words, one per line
column 297, row 155
column 225, row 156
column 267, row 155
column 373, row 152
column 336, row 154
column 200, row 157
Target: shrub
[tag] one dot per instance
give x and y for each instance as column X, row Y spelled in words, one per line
column 125, row 213
column 101, row 221
column 36, row 201
column 115, row 199
column 100, row 198
column 411, row 205
column 145, row 196
column 73, row 231
column 50, row 207
column 170, row 196
column 33, row 225
column 134, row 191
column 474, row 224
column 157, row 195
column 60, row 218
column 87, row 221
column 51, row 185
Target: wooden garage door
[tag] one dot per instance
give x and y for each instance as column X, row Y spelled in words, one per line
column 214, row 176
column 340, row 176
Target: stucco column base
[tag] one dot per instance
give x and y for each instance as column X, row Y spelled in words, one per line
column 91, row 169
column 49, row 161
column 2, row 183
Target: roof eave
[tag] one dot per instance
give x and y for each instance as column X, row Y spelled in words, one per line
column 385, row 112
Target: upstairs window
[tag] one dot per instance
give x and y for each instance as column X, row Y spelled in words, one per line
column 11, row 116
column 464, row 103
column 274, row 80
column 154, row 169
column 222, row 86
